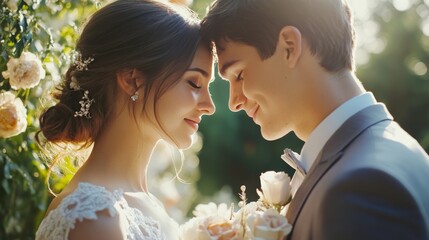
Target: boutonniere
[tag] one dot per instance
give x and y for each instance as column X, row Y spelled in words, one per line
column 291, row 158
column 262, row 220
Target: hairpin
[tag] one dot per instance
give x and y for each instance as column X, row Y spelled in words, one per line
column 85, row 102
column 80, row 63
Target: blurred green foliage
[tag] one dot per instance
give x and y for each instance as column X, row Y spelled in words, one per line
column 398, row 75
column 48, row 29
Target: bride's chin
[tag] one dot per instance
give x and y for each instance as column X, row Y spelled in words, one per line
column 182, row 143
column 185, row 144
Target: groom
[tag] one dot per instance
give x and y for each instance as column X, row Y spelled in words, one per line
column 290, row 67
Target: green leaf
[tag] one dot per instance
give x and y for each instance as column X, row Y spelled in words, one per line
column 5, row 185
column 19, row 48
column 6, row 171
column 23, row 23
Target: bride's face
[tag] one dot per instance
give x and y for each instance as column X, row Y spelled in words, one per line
column 180, row 108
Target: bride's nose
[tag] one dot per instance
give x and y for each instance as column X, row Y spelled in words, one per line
column 206, row 104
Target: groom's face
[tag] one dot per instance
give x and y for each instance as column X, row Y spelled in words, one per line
column 259, row 87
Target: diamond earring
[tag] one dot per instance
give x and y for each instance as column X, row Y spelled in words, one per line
column 135, row 96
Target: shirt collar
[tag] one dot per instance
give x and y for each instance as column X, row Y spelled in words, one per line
column 330, row 124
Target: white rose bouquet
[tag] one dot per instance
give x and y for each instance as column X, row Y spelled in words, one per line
column 260, row 220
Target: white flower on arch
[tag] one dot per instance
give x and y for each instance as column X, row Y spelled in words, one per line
column 24, row 72
column 13, row 115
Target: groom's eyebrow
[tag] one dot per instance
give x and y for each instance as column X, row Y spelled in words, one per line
column 226, row 66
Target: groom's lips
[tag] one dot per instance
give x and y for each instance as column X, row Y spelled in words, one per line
column 252, row 114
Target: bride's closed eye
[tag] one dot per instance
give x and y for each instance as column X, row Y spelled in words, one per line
column 193, row 84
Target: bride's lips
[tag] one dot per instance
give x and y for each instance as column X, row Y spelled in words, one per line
column 192, row 123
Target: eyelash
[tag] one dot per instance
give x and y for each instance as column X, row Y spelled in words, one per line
column 240, row 76
column 193, row 84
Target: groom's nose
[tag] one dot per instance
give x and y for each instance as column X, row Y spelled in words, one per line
column 236, row 97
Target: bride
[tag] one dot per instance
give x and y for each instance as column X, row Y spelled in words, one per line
column 141, row 75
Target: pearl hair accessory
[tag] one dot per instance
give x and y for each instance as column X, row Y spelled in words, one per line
column 85, row 102
column 80, row 63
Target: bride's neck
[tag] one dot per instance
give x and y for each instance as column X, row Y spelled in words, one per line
column 119, row 159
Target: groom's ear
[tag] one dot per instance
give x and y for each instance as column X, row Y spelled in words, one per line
column 290, row 41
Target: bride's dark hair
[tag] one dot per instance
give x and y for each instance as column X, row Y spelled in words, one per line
column 157, row 39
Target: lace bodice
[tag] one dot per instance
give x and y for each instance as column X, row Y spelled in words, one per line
column 85, row 202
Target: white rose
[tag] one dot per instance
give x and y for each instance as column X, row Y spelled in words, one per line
column 268, row 225
column 24, row 72
column 13, row 115
column 276, row 189
column 211, row 209
column 188, row 229
column 210, row 228
column 219, row 228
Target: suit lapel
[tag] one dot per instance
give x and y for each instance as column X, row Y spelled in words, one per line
column 332, row 152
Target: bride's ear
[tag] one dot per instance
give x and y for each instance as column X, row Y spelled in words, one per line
column 290, row 41
column 129, row 80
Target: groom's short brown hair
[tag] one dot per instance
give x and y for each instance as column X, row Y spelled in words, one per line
column 326, row 25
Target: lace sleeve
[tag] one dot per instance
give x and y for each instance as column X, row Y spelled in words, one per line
column 79, row 205
column 84, row 203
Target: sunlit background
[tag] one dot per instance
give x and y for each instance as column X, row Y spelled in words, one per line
column 392, row 59
column 367, row 30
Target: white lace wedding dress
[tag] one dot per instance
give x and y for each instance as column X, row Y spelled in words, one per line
column 86, row 201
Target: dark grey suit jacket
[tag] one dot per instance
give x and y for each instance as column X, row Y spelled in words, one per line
column 370, row 181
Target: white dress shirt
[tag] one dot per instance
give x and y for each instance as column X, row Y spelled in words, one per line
column 321, row 134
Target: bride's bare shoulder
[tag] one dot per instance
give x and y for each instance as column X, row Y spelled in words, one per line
column 56, row 201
